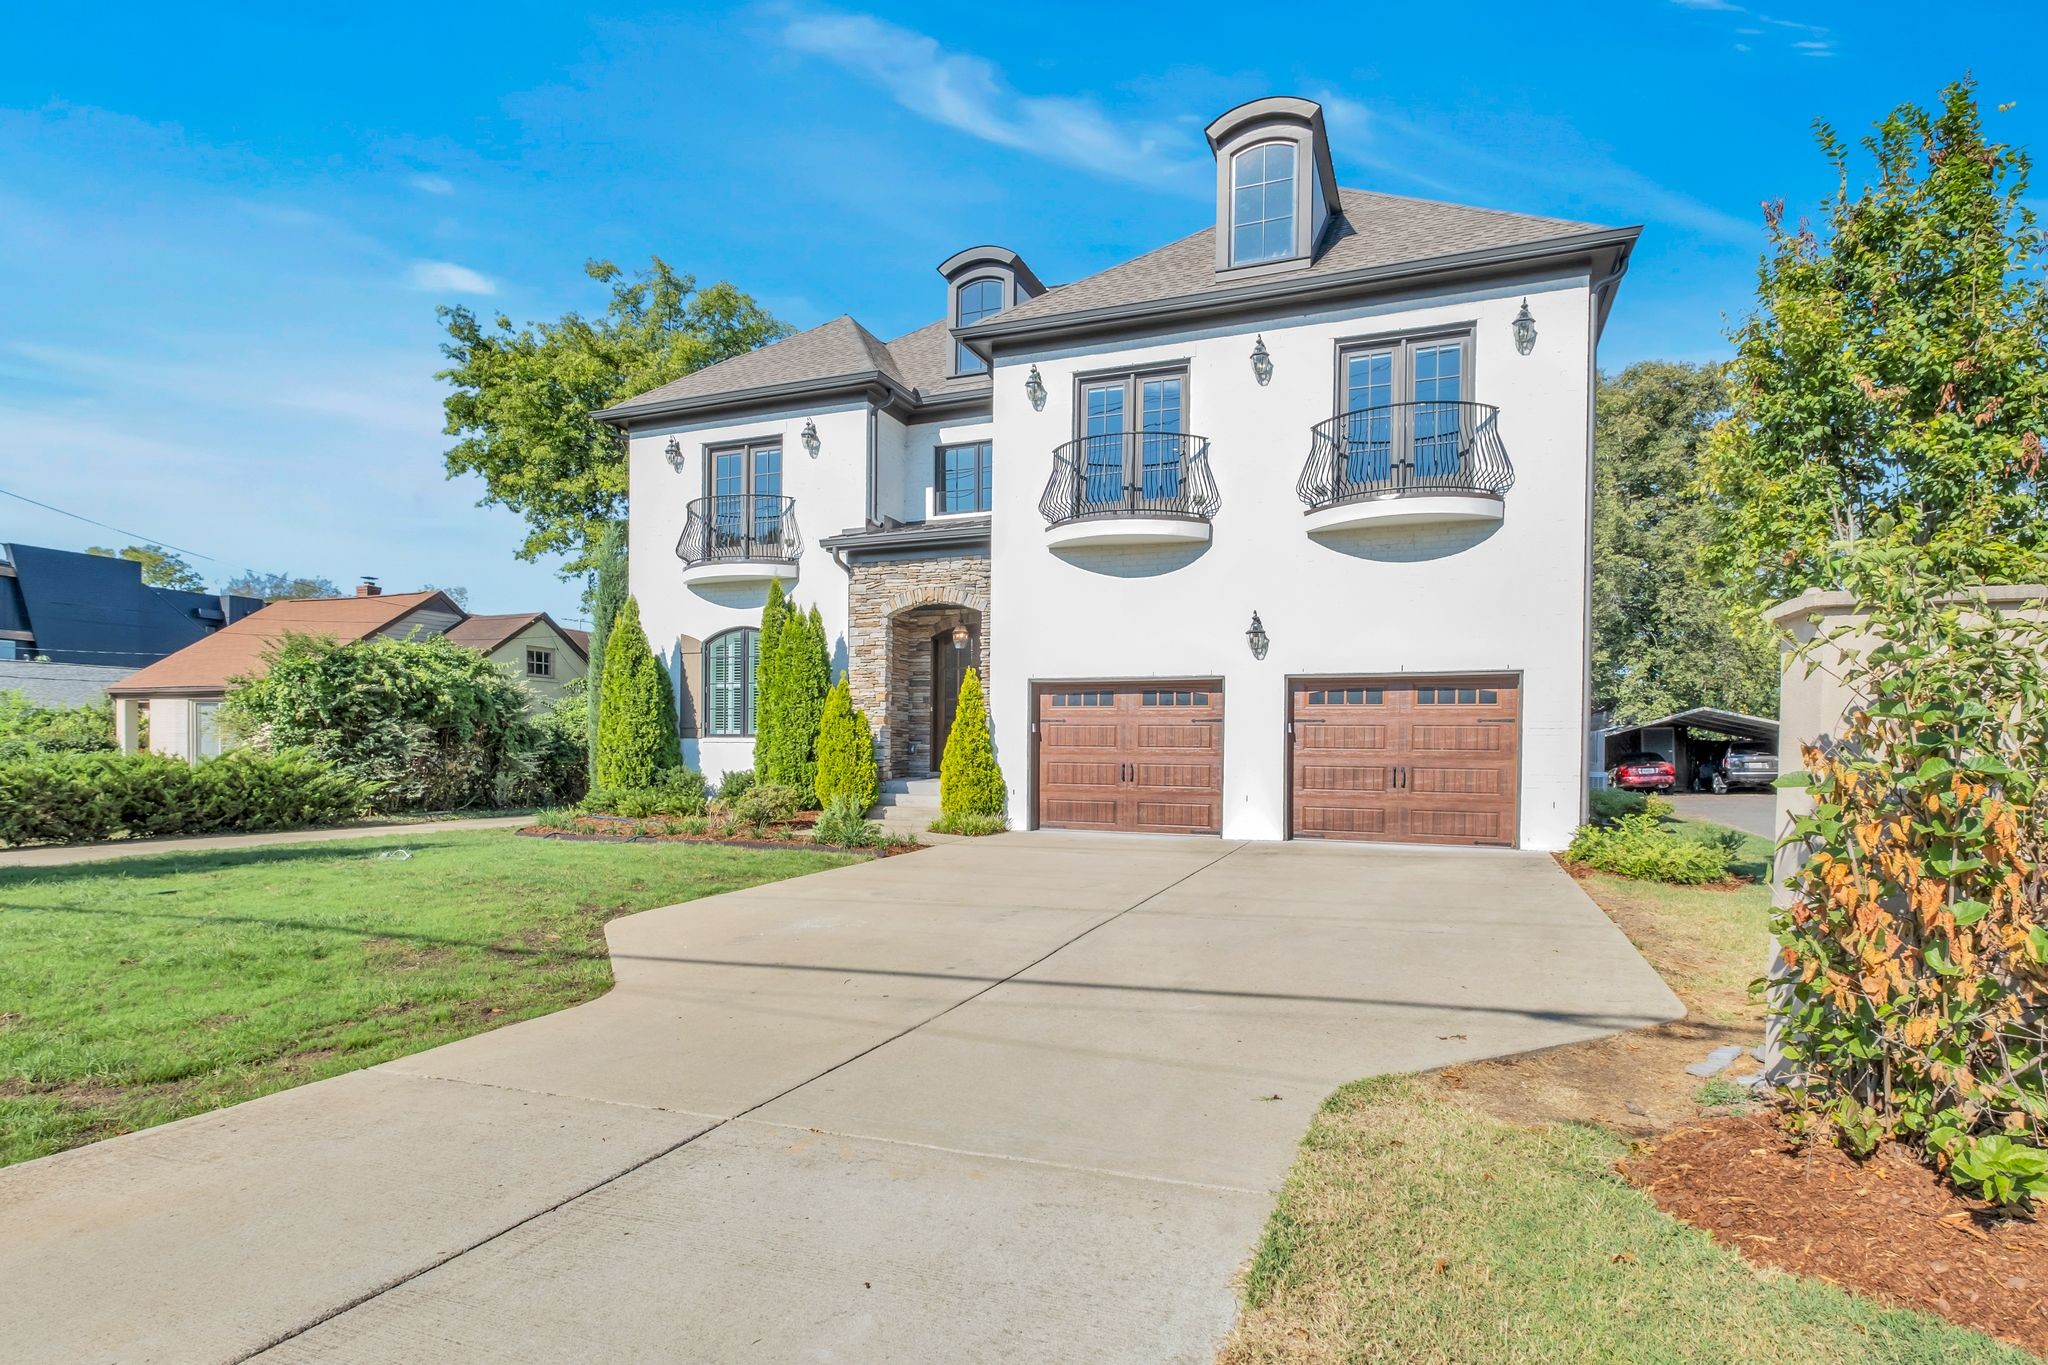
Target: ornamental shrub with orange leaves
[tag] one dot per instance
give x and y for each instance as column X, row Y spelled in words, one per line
column 1913, row 974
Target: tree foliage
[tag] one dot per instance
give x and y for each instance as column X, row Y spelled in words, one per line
column 1915, row 949
column 1664, row 638
column 768, row 679
column 523, row 397
column 279, row 587
column 603, row 598
column 28, row 728
column 1896, row 368
column 428, row 723
column 636, row 719
column 970, row 781
column 161, row 568
column 846, row 753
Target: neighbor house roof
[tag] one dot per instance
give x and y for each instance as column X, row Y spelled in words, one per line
column 1375, row 237
column 1707, row 718
column 485, row 634
column 237, row 650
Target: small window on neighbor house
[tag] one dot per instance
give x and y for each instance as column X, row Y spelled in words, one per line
column 975, row 300
column 962, row 478
column 540, row 663
column 1262, row 203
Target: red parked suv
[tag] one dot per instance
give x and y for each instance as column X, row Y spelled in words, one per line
column 1643, row 772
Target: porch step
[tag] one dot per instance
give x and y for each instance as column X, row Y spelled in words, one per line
column 911, row 791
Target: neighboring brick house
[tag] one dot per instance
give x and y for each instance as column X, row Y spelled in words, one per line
column 1359, row 422
column 184, row 691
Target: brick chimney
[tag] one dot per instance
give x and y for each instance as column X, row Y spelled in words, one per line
column 368, row 588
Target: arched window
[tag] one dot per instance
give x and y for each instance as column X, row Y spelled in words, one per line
column 975, row 300
column 729, row 663
column 1262, row 203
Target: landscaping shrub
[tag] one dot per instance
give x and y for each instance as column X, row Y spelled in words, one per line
column 735, row 784
column 765, row 803
column 28, row 728
column 64, row 797
column 1641, row 846
column 796, row 672
column 845, row 821
column 1608, row 804
column 636, row 716
column 545, row 759
column 607, row 594
column 676, row 791
column 1913, row 967
column 426, row 722
column 775, row 613
column 846, row 752
column 973, row 824
column 970, row 783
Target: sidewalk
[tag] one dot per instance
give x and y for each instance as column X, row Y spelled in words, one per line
column 59, row 855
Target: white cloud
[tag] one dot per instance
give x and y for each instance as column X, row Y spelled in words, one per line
column 1709, row 4
column 449, row 278
column 431, row 184
column 1815, row 49
column 970, row 94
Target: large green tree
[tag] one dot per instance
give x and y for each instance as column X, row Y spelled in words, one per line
column 279, row 587
column 1893, row 380
column 523, row 396
column 161, row 568
column 1664, row 637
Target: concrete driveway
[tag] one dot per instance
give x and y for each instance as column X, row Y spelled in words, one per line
column 1016, row 1099
column 1751, row 812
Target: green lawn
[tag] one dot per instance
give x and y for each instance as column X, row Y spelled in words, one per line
column 1414, row 1229
column 139, row 990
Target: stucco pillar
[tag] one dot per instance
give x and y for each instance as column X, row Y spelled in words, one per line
column 127, row 724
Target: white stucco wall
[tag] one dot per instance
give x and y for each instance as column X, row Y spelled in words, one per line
column 1509, row 598
column 830, row 493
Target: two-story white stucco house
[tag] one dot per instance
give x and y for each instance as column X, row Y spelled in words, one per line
column 1280, row 530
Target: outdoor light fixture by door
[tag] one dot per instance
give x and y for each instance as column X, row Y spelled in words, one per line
column 1034, row 389
column 961, row 635
column 810, row 438
column 1257, row 637
column 1262, row 362
column 675, row 454
column 1525, row 330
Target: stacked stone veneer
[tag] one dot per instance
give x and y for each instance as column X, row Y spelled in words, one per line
column 894, row 607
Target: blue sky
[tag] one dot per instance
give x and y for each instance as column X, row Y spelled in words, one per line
column 223, row 234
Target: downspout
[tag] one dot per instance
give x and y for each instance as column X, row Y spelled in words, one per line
column 1603, row 285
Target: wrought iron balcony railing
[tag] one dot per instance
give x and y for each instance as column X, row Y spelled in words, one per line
column 1131, row 474
column 1406, row 449
column 740, row 528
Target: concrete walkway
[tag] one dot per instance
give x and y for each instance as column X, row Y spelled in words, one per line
column 1025, row 1098
column 208, row 843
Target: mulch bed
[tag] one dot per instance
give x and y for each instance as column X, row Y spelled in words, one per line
column 794, row 832
column 1888, row 1226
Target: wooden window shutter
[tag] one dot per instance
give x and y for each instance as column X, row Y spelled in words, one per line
column 690, row 657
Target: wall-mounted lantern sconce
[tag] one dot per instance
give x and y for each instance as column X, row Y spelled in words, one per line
column 810, row 438
column 1034, row 389
column 1257, row 637
column 1525, row 330
column 674, row 451
column 961, row 635
column 1262, row 362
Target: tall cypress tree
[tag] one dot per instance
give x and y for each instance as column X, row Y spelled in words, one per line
column 805, row 681
column 970, row 782
column 768, row 681
column 607, row 593
column 636, row 722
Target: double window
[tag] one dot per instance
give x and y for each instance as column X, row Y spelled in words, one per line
column 961, row 478
column 730, row 661
column 1403, row 405
column 1133, row 439
column 745, row 496
column 1262, row 203
column 974, row 301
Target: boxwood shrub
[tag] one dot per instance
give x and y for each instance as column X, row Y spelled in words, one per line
column 69, row 797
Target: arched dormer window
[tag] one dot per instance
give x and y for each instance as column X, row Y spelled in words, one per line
column 981, row 282
column 1262, row 203
column 973, row 301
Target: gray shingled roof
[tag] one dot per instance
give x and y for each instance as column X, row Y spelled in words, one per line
column 841, row 348
column 1377, row 230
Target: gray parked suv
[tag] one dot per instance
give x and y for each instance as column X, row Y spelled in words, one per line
column 1747, row 765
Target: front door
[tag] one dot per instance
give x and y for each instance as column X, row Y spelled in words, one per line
column 951, row 658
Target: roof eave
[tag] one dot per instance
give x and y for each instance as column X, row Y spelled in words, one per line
column 982, row 336
column 871, row 382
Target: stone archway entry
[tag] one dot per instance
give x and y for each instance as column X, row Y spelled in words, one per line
column 954, row 651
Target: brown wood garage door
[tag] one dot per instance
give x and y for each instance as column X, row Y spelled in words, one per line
column 1142, row 757
column 1406, row 760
